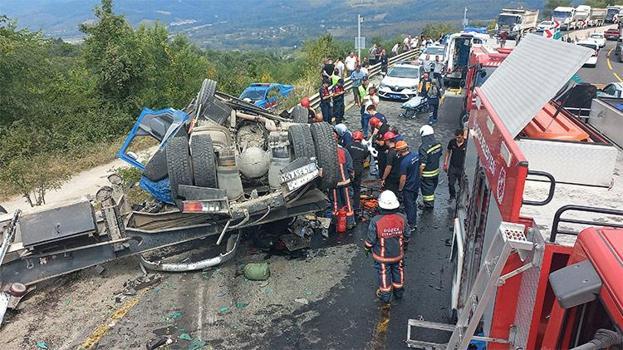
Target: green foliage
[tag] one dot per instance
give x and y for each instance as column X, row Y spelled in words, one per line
column 435, row 30
column 602, row 3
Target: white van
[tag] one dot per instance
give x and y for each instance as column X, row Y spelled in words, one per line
column 458, row 49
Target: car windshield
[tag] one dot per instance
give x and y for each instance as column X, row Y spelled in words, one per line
column 253, row 95
column 561, row 14
column 508, row 20
column 482, row 75
column 404, row 72
column 434, row 50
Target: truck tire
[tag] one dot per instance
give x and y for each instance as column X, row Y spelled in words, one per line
column 203, row 160
column 156, row 168
column 179, row 165
column 326, row 154
column 205, row 95
column 301, row 141
column 300, row 114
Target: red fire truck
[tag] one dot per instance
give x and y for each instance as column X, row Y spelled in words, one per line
column 538, row 235
column 483, row 61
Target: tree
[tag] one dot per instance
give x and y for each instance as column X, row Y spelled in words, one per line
column 435, row 30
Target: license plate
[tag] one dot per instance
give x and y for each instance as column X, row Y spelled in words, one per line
column 395, row 96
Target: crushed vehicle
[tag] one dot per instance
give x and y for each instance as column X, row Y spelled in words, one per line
column 537, row 244
column 222, row 166
column 266, row 95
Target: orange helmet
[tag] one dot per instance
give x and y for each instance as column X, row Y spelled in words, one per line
column 357, row 135
column 305, row 102
column 374, row 122
column 389, row 136
column 401, row 145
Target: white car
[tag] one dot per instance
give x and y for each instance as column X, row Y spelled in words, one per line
column 592, row 61
column 401, row 82
column 545, row 25
column 433, row 51
column 599, row 39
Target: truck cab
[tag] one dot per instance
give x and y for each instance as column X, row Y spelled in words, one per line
column 565, row 16
column 612, row 14
column 483, row 61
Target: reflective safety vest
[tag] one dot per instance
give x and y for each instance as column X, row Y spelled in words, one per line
column 362, row 92
column 430, row 153
column 335, row 79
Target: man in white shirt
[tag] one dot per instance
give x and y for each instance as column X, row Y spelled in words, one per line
column 438, row 71
column 351, row 63
column 395, row 49
column 407, row 43
column 365, row 69
column 339, row 65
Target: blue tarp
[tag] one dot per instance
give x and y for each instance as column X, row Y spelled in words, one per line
column 160, row 190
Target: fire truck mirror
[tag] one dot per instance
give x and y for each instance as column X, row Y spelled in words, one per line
column 575, row 284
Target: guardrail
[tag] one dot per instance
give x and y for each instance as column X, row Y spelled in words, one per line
column 373, row 70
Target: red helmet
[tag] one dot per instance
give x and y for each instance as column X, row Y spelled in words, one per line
column 305, row 102
column 374, row 121
column 357, row 135
column 389, row 136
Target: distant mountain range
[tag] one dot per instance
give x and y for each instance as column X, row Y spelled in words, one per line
column 252, row 24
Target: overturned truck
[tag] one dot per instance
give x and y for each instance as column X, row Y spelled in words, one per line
column 222, row 165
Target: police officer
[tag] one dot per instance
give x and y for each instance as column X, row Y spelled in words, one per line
column 390, row 176
column 386, row 235
column 341, row 195
column 359, row 154
column 409, row 183
column 430, row 152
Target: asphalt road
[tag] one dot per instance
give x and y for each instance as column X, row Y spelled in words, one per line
column 609, row 69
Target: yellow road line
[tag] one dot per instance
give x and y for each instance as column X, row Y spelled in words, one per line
column 608, row 59
column 102, row 329
column 617, row 76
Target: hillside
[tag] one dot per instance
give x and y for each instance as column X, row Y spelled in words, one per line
column 245, row 24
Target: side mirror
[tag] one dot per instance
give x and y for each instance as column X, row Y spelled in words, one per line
column 482, row 73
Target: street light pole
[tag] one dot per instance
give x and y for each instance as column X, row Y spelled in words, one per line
column 359, row 36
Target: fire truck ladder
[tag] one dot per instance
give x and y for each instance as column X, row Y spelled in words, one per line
column 508, row 239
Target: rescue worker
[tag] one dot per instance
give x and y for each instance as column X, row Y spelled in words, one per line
column 312, row 116
column 379, row 128
column 390, row 175
column 338, row 101
column 366, row 120
column 335, row 77
column 341, row 195
column 409, row 183
column 359, row 154
column 430, row 152
column 424, row 85
column 362, row 90
column 325, row 100
column 385, row 239
column 344, row 136
column 434, row 97
column 454, row 159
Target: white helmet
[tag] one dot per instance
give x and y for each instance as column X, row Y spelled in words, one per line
column 341, row 129
column 426, row 130
column 388, row 200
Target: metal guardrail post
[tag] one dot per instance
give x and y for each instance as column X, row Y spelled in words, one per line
column 373, row 71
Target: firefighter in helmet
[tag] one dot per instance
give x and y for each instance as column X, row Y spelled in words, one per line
column 385, row 239
column 341, row 196
column 430, row 152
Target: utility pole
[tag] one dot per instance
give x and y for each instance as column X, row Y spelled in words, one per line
column 359, row 20
column 465, row 21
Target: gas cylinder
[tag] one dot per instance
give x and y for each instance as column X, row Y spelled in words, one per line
column 229, row 175
column 340, row 223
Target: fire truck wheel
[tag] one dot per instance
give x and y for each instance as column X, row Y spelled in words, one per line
column 179, row 165
column 326, row 154
column 156, row 168
column 299, row 114
column 205, row 95
column 301, row 140
column 203, row 160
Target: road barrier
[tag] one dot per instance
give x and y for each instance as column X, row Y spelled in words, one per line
column 373, row 70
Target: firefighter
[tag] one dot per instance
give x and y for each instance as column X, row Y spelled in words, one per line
column 409, row 183
column 359, row 154
column 379, row 129
column 338, row 101
column 341, row 195
column 344, row 136
column 325, row 100
column 430, row 152
column 386, row 235
column 312, row 116
column 390, row 175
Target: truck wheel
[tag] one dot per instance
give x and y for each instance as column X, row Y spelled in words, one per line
column 156, row 168
column 326, row 154
column 205, row 95
column 179, row 166
column 299, row 114
column 301, row 140
column 203, row 160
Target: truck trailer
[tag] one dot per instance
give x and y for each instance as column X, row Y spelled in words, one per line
column 517, row 22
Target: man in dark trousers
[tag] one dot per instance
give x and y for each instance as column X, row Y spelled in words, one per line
column 454, row 160
column 325, row 100
column 359, row 154
column 386, row 234
column 338, row 101
column 409, row 184
column 430, row 153
column 390, row 176
column 341, row 195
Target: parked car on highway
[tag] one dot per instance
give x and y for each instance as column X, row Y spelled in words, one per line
column 266, row 95
column 545, row 25
column 618, row 49
column 433, row 51
column 599, row 38
column 612, row 34
column 401, row 82
column 592, row 61
column 611, row 90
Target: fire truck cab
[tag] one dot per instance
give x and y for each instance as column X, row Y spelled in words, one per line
column 538, row 238
column 483, row 61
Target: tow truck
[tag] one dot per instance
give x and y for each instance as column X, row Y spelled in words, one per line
column 538, row 233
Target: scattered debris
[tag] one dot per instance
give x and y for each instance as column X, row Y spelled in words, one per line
column 196, row 344
column 99, row 269
column 302, row 301
column 241, row 305
column 224, row 310
column 42, row 345
column 174, row 315
column 185, row 336
column 131, row 287
column 156, row 343
column 295, row 242
column 257, row 271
